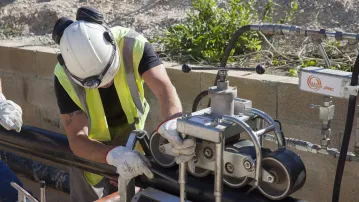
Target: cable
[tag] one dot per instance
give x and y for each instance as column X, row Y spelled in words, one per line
column 347, row 133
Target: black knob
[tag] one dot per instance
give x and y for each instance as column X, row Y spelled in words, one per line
column 260, row 69
column 186, row 68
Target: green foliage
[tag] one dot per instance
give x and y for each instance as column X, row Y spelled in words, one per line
column 207, row 29
column 293, row 72
column 308, row 63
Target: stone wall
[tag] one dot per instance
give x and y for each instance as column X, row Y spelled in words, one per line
column 27, row 79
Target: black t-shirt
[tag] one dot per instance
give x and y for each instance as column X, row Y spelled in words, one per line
column 110, row 101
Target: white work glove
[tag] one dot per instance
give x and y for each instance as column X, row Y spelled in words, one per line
column 129, row 163
column 183, row 149
column 10, row 114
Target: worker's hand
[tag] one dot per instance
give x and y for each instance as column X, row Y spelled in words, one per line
column 10, row 114
column 129, row 163
column 183, row 149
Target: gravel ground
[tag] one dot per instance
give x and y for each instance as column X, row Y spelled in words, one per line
column 30, row 22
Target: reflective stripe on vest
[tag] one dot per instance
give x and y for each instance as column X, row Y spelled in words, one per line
column 128, row 84
column 127, row 53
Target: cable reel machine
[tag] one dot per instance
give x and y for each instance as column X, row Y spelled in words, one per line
column 230, row 132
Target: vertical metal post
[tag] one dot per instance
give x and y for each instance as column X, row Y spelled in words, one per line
column 42, row 191
column 182, row 181
column 126, row 188
column 356, row 144
column 325, row 56
column 218, row 172
column 260, row 125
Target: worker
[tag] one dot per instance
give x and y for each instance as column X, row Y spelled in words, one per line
column 10, row 119
column 100, row 94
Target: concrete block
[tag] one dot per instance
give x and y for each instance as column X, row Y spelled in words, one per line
column 320, row 179
column 40, row 92
column 294, row 105
column 187, row 85
column 45, row 63
column 17, row 60
column 50, row 119
column 13, row 87
column 31, row 115
column 311, row 133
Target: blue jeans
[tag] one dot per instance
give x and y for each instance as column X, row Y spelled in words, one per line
column 7, row 192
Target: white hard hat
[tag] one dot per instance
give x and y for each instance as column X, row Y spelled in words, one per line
column 90, row 54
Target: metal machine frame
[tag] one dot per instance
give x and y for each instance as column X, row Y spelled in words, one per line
column 225, row 108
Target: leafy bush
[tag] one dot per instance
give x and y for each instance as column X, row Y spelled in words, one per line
column 208, row 28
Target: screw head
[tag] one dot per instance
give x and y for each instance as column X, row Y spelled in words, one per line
column 270, row 179
column 247, row 165
column 162, row 149
column 208, row 153
column 229, row 167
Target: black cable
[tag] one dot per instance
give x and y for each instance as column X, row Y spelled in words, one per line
column 228, row 50
column 346, row 137
column 198, row 99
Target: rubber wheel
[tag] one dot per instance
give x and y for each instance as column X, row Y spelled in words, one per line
column 234, row 182
column 289, row 173
column 161, row 158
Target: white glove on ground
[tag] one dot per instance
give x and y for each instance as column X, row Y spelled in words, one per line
column 184, row 149
column 129, row 163
column 10, row 114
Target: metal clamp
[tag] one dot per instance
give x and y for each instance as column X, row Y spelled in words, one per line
column 351, row 90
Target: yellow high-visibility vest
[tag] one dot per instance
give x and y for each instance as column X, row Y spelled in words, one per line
column 129, row 88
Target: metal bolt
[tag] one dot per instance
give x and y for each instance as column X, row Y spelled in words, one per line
column 345, row 89
column 247, row 165
column 229, row 168
column 162, row 149
column 270, row 179
column 208, row 152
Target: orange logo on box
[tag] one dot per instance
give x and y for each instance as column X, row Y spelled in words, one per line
column 314, row 83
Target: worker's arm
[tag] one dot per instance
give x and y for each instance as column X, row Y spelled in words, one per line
column 129, row 163
column 158, row 81
column 76, row 127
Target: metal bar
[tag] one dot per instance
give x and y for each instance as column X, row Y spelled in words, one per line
column 218, row 172
column 260, row 125
column 291, row 30
column 277, row 130
column 264, row 130
column 325, row 55
column 256, row 143
column 42, row 191
column 306, row 146
column 182, row 181
column 23, row 192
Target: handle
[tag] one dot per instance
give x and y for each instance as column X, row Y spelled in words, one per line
column 259, row 69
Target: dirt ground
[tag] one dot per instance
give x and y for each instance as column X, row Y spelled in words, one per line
column 31, row 21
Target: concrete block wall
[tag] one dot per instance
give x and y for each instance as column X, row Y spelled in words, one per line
column 27, row 78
